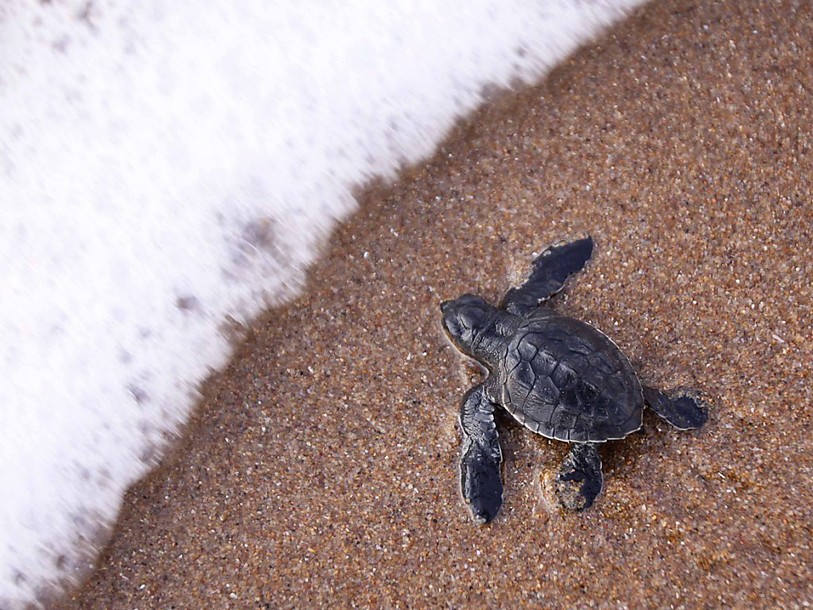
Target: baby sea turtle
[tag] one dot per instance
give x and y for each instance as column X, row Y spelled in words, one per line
column 558, row 376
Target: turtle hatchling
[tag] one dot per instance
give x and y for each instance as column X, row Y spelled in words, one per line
column 558, row 376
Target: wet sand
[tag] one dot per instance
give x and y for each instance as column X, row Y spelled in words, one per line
column 321, row 467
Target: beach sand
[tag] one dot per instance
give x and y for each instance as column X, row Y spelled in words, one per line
column 320, row 469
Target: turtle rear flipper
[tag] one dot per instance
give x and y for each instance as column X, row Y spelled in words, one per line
column 480, row 480
column 580, row 479
column 680, row 408
column 548, row 276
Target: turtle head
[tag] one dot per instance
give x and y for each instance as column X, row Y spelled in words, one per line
column 465, row 318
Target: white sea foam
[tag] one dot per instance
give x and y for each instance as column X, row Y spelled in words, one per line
column 164, row 167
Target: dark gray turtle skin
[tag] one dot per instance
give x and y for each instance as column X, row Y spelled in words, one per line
column 558, row 376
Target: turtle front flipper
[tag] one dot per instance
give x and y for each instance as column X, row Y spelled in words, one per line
column 681, row 408
column 580, row 479
column 480, row 479
column 548, row 276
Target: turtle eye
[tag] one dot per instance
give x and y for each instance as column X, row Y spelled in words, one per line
column 453, row 324
column 464, row 317
column 469, row 317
